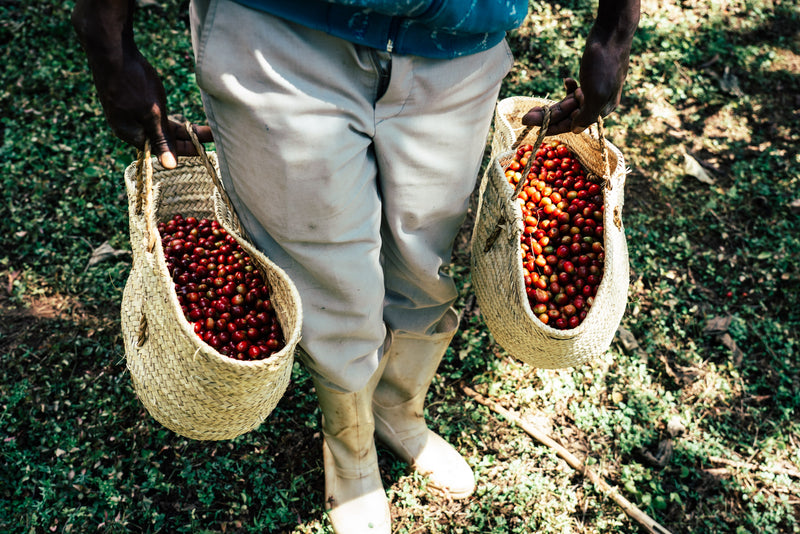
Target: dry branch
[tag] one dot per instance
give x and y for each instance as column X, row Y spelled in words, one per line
column 755, row 467
column 628, row 507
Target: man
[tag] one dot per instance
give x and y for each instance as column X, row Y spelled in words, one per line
column 350, row 134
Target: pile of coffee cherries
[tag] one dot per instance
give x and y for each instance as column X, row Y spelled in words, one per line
column 220, row 291
column 562, row 242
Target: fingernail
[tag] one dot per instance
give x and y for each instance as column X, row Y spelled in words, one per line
column 168, row 160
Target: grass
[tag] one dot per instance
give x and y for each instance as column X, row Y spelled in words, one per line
column 694, row 422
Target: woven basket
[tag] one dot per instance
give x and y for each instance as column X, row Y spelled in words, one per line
column 496, row 267
column 185, row 384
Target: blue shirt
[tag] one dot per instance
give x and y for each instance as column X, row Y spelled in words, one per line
column 428, row 28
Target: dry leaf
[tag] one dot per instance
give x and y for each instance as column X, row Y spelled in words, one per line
column 105, row 252
column 692, row 167
column 661, row 109
column 628, row 340
column 662, row 455
column 730, row 83
column 675, row 427
column 718, row 325
column 730, row 344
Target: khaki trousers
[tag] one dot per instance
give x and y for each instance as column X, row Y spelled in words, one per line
column 350, row 167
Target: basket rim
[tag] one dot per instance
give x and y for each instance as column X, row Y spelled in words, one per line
column 567, row 334
column 277, row 359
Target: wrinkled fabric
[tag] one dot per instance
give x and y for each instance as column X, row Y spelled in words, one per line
column 427, row 28
column 350, row 168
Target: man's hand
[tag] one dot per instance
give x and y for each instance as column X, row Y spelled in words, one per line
column 135, row 105
column 604, row 66
column 128, row 87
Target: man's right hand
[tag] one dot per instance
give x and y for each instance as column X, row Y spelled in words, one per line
column 129, row 88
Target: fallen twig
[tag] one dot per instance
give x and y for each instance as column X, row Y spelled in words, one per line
column 628, row 507
column 755, row 467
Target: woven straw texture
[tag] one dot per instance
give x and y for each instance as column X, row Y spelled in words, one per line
column 183, row 383
column 497, row 273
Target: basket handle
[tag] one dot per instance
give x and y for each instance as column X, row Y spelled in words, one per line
column 212, row 172
column 144, row 184
column 601, row 138
column 144, row 191
column 501, row 220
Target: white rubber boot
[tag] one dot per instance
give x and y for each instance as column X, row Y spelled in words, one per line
column 398, row 405
column 354, row 494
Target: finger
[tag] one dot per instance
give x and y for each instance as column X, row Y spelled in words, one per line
column 203, row 133
column 558, row 112
column 579, row 96
column 559, row 127
column 159, row 131
column 183, row 143
column 167, row 160
column 570, row 86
